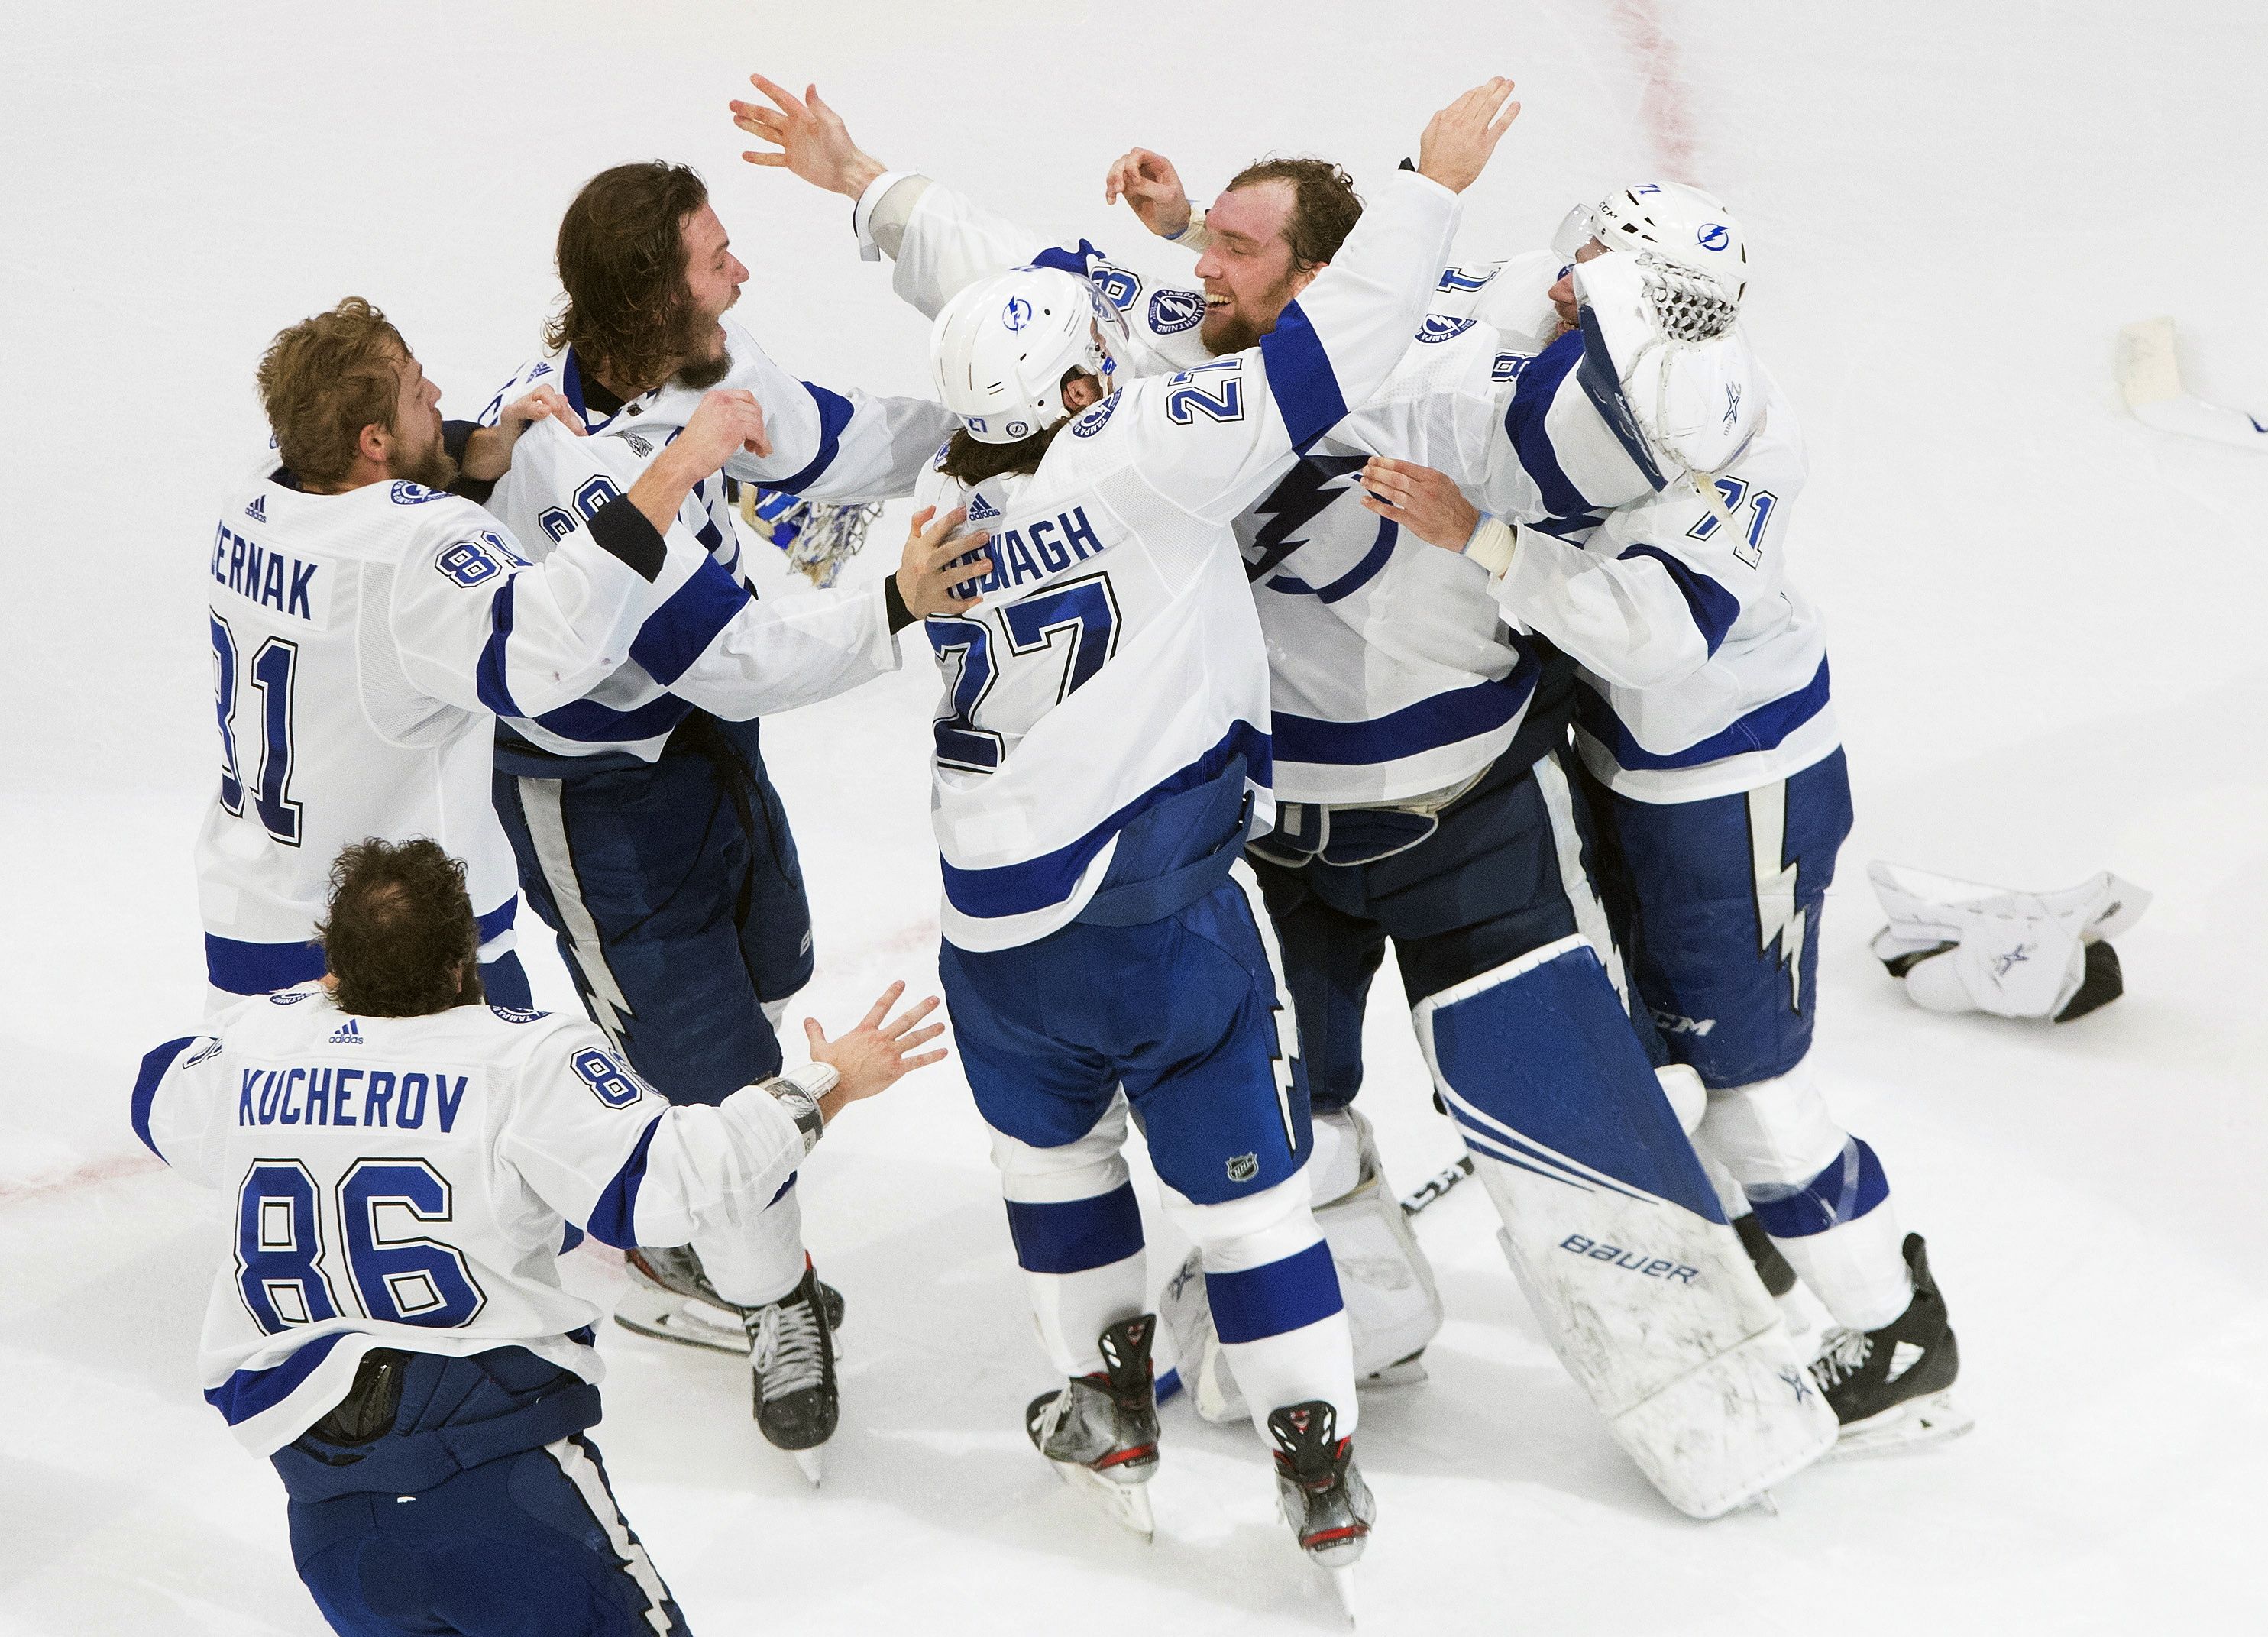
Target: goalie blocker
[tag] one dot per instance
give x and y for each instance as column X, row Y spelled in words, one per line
column 1614, row 1232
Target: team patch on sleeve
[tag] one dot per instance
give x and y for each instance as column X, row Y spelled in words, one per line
column 1173, row 311
column 406, row 493
column 1088, row 424
column 519, row 1014
column 1440, row 326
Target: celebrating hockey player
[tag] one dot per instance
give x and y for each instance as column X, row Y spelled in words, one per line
column 365, row 625
column 1101, row 755
column 1714, row 754
column 398, row 1163
column 649, row 836
column 1422, row 796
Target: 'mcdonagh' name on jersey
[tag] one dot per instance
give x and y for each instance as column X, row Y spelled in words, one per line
column 1105, row 704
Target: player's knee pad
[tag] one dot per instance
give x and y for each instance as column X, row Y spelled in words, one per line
column 1772, row 1132
column 1070, row 1207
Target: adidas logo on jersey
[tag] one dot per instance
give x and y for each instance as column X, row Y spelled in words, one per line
column 258, row 510
column 980, row 509
column 347, row 1034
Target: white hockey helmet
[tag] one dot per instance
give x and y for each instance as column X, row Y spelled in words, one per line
column 1001, row 347
column 1683, row 226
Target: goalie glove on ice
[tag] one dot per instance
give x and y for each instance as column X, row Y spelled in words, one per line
column 1962, row 945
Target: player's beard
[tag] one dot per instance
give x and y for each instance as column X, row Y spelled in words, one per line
column 1231, row 329
column 429, row 466
column 701, row 369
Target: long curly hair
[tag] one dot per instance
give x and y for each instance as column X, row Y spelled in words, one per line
column 622, row 262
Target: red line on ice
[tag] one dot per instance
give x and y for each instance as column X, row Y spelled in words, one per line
column 100, row 1171
column 1661, row 105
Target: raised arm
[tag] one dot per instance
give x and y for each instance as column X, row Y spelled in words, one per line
column 1220, row 435
column 607, row 1152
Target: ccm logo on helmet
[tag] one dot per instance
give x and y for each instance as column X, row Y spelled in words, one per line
column 1018, row 313
column 1713, row 235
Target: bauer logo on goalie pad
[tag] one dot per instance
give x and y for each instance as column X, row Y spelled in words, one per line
column 1242, row 1168
column 1630, row 1261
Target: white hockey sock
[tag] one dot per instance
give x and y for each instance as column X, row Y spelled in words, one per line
column 757, row 1260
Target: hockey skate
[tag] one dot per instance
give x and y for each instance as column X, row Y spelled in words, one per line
column 1099, row 1432
column 1892, row 1388
column 791, row 1347
column 1319, row 1493
column 671, row 1299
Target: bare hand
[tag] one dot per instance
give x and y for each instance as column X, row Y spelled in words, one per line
column 724, row 425
column 1148, row 182
column 1420, row 499
column 936, row 566
column 487, row 452
column 1458, row 140
column 874, row 1054
column 811, row 137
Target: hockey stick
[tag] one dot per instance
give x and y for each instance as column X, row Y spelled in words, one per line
column 2150, row 377
column 1426, row 1193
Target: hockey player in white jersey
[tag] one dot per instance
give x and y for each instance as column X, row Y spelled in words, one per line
column 1714, row 754
column 1424, row 795
column 648, row 833
column 365, row 625
column 1100, row 753
column 400, row 1167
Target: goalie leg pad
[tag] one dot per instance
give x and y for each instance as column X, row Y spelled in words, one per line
column 1616, row 1234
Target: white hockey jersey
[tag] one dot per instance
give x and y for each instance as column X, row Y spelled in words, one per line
column 1393, row 674
column 1704, row 667
column 360, row 643
column 759, row 657
column 407, row 1181
column 1116, row 661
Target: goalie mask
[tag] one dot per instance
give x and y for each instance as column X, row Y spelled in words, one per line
column 1683, row 226
column 1001, row 349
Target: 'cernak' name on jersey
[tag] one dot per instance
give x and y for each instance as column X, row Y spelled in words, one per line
column 1038, row 549
column 329, row 1096
column 260, row 576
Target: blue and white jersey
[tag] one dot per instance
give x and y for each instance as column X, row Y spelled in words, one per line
column 1116, row 662
column 409, row 1182
column 360, row 643
column 945, row 241
column 713, row 644
column 826, row 445
column 1704, row 668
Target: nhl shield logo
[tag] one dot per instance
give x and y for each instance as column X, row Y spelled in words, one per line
column 1242, row 1168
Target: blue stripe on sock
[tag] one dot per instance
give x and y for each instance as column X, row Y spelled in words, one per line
column 1274, row 1297
column 1073, row 1236
column 1848, row 1188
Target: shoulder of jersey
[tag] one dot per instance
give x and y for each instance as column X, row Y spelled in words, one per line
column 1091, row 421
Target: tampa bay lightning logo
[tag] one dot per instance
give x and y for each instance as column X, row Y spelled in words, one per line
column 1096, row 418
column 406, row 493
column 1017, row 314
column 1173, row 311
column 936, row 460
column 1440, row 326
column 519, row 1014
column 1713, row 235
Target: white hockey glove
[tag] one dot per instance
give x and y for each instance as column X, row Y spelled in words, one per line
column 1666, row 365
column 1965, row 947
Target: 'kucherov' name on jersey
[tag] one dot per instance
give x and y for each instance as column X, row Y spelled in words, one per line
column 407, row 1183
column 1116, row 661
column 360, row 643
column 733, row 656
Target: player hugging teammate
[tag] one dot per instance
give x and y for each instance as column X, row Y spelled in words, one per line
column 1356, row 595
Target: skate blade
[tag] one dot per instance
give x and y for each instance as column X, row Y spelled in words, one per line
column 1913, row 1425
column 814, row 1463
column 666, row 1316
column 1127, row 1505
column 1343, row 1583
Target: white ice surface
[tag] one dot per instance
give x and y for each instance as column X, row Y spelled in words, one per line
column 2045, row 621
